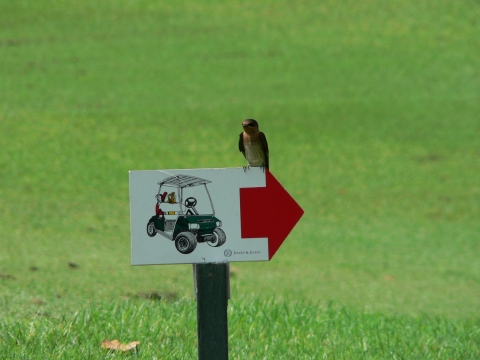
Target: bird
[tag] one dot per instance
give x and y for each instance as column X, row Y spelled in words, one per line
column 252, row 143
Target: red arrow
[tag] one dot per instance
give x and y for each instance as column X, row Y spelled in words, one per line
column 268, row 212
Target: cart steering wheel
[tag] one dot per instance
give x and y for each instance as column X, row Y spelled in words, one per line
column 190, row 202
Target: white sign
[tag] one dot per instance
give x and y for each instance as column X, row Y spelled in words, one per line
column 195, row 216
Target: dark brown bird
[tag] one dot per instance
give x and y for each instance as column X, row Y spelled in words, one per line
column 252, row 143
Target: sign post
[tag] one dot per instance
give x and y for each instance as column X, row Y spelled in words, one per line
column 209, row 218
column 211, row 290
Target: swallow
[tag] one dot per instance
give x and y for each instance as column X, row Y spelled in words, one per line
column 252, row 143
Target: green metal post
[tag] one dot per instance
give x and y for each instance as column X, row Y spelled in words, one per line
column 212, row 293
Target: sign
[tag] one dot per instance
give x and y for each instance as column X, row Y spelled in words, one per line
column 198, row 216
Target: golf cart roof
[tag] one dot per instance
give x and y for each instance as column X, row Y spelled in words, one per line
column 183, row 181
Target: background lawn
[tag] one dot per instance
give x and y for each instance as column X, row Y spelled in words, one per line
column 371, row 112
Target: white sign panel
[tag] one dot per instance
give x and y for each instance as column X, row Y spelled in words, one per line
column 192, row 216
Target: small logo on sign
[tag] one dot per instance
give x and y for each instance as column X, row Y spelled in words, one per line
column 227, row 253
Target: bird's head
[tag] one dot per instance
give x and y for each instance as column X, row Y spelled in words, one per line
column 250, row 126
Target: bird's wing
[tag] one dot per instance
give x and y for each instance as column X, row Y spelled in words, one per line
column 264, row 142
column 241, row 147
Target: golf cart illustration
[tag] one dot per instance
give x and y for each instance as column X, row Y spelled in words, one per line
column 186, row 214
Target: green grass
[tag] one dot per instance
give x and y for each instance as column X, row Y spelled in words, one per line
column 298, row 331
column 371, row 112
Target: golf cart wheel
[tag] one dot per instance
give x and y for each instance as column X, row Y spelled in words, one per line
column 185, row 242
column 151, row 231
column 219, row 236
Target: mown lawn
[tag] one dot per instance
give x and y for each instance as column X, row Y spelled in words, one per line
column 260, row 328
column 371, row 112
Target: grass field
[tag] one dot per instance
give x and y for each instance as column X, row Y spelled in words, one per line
column 299, row 331
column 371, row 112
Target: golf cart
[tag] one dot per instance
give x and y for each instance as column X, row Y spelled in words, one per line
column 183, row 215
